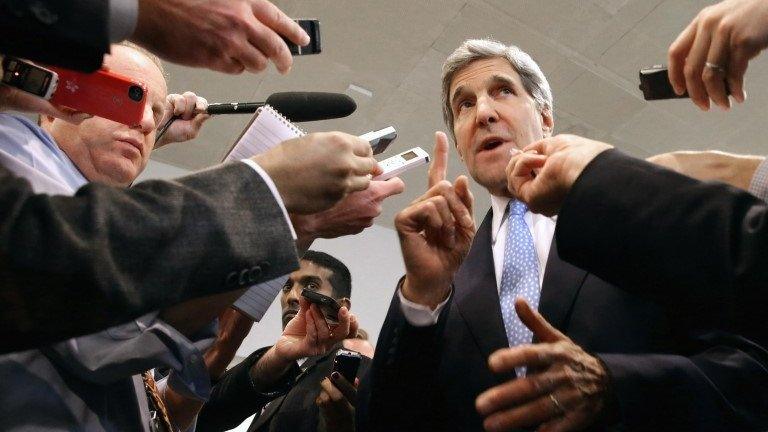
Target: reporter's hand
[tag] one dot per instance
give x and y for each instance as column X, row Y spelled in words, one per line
column 191, row 110
column 224, row 35
column 727, row 36
column 12, row 99
column 314, row 172
column 308, row 334
column 435, row 231
column 351, row 215
column 567, row 392
column 557, row 162
column 337, row 403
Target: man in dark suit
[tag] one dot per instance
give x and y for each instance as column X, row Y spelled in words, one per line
column 712, row 234
column 289, row 386
column 717, row 254
column 61, row 256
column 455, row 331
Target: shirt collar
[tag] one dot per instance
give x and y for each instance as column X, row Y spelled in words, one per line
column 499, row 207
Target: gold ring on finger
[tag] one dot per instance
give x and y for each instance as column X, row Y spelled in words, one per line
column 558, row 409
column 715, row 67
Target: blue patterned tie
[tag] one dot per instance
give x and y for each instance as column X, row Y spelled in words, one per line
column 520, row 277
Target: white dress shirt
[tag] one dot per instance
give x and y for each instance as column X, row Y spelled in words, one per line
column 542, row 230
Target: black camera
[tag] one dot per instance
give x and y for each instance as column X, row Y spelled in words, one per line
column 136, row 93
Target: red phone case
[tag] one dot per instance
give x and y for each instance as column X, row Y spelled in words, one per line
column 103, row 93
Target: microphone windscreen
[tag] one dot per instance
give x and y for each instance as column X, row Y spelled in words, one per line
column 312, row 106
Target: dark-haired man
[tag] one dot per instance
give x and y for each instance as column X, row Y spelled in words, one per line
column 282, row 383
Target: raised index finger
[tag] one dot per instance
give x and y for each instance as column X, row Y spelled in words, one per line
column 439, row 166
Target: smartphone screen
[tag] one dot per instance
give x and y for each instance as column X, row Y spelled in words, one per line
column 346, row 363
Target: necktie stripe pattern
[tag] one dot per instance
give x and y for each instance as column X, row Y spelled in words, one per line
column 519, row 277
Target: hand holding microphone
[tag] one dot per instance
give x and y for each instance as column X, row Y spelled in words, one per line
column 295, row 106
column 191, row 112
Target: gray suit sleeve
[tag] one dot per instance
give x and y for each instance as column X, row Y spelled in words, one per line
column 75, row 265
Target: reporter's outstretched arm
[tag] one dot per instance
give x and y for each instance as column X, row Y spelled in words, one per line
column 233, row 328
column 229, row 36
column 75, row 265
column 733, row 169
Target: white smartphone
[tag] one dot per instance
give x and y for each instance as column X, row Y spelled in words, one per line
column 402, row 162
column 380, row 139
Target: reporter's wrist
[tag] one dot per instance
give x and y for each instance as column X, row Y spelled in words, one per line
column 269, row 369
column 424, row 293
column 267, row 164
column 279, row 359
column 306, row 227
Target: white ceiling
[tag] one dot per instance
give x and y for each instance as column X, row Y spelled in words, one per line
column 590, row 50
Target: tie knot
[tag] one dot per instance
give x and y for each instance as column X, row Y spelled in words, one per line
column 517, row 208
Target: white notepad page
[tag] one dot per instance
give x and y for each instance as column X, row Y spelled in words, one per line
column 266, row 130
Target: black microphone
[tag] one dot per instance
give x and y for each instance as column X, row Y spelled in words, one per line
column 295, row 106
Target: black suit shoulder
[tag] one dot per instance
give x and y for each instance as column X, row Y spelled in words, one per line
column 667, row 236
column 72, row 34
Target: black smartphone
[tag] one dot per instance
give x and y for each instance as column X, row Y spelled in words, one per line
column 655, row 85
column 328, row 305
column 29, row 77
column 312, row 27
column 346, row 363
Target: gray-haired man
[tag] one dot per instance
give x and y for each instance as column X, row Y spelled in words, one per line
column 459, row 350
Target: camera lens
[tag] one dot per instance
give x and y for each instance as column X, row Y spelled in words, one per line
column 136, row 93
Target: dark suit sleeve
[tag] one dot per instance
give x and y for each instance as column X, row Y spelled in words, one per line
column 404, row 376
column 72, row 265
column 696, row 248
column 655, row 232
column 72, row 34
column 722, row 387
column 233, row 398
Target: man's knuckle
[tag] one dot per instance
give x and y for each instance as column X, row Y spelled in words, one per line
column 689, row 71
column 710, row 76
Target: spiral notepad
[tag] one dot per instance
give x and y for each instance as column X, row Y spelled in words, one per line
column 267, row 129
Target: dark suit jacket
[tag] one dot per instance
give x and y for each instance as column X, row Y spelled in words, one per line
column 665, row 376
column 683, row 242
column 291, row 407
column 75, row 265
column 72, row 34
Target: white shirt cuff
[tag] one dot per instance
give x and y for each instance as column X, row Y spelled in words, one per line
column 274, row 191
column 419, row 315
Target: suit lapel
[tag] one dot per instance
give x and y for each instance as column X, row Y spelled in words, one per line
column 562, row 282
column 274, row 406
column 476, row 295
column 267, row 414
